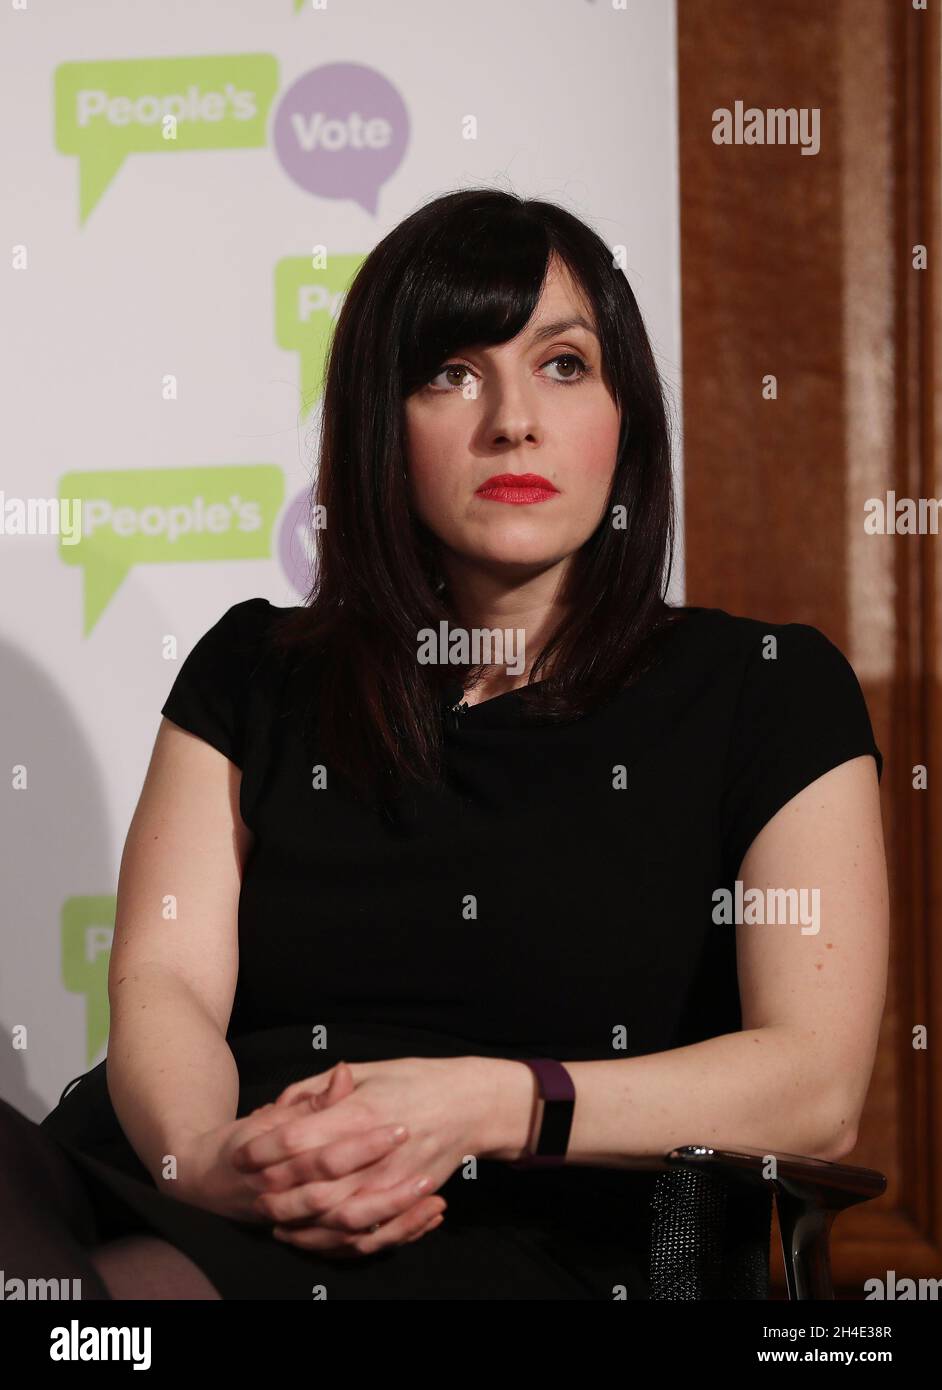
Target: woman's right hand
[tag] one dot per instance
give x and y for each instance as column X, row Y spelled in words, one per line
column 208, row 1179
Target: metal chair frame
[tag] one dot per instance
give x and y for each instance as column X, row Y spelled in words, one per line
column 809, row 1193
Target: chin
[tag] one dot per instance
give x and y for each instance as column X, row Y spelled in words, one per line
column 516, row 560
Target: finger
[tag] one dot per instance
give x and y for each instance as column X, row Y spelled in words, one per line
column 269, row 1117
column 435, row 1222
column 402, row 1230
column 341, row 1084
column 284, row 1133
column 351, row 1210
column 327, row 1164
column 376, row 1207
column 397, row 1231
column 301, row 1090
column 339, row 1076
column 276, row 1113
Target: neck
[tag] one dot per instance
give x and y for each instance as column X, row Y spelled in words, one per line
column 525, row 608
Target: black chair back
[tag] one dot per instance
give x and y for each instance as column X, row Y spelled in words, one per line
column 709, row 1237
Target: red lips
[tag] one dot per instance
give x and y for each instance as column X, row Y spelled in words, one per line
column 519, row 480
column 517, row 489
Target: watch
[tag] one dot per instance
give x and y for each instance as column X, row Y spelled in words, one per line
column 559, row 1101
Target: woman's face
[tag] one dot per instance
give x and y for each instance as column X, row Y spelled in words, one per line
column 535, row 405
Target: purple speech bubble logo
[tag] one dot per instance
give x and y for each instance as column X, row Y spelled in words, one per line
column 340, row 131
column 296, row 542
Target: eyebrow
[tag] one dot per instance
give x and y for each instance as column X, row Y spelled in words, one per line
column 550, row 330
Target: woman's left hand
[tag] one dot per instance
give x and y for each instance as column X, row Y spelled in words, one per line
column 448, row 1105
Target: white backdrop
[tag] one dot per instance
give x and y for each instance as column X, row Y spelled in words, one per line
column 150, row 321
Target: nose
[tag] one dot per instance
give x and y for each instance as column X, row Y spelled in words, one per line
column 512, row 417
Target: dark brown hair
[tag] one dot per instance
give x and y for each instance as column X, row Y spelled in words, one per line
column 466, row 268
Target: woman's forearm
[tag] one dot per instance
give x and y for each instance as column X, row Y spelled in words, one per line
column 764, row 1088
column 171, row 1073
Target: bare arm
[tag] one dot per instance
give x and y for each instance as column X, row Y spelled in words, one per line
column 796, row 1077
column 174, row 958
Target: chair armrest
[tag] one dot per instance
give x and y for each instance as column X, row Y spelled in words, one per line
column 809, row 1193
column 832, row 1185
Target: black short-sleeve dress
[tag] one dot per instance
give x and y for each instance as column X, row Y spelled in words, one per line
column 355, row 929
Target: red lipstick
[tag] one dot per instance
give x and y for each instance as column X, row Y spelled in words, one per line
column 519, row 489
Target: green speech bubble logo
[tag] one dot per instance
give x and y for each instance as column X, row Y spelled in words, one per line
column 106, row 110
column 87, row 931
column 159, row 516
column 307, row 301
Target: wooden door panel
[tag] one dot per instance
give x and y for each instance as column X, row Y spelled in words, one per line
column 800, row 267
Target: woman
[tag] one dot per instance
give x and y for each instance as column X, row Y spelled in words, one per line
column 446, row 860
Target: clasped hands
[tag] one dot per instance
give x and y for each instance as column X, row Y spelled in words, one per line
column 325, row 1166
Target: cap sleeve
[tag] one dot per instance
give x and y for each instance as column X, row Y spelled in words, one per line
column 208, row 696
column 799, row 714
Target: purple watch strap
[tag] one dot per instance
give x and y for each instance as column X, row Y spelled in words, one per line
column 559, row 1101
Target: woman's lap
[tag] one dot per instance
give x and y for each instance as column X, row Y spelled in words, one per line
column 460, row 1259
column 454, row 1261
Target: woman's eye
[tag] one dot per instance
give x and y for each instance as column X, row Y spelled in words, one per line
column 571, row 357
column 456, row 368
column 571, row 360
